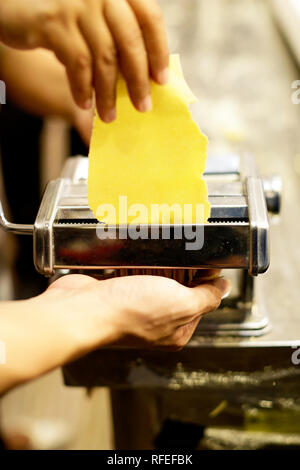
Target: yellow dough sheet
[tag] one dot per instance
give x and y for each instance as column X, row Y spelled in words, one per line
column 143, row 163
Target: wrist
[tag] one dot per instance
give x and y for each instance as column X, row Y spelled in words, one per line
column 36, row 341
column 52, row 337
column 83, row 325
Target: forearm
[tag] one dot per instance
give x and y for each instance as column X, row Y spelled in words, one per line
column 37, row 82
column 78, row 314
column 36, row 338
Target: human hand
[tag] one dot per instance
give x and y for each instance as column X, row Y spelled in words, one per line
column 78, row 314
column 94, row 39
column 137, row 311
column 37, row 82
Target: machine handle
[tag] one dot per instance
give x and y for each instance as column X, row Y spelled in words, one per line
column 273, row 189
column 20, row 229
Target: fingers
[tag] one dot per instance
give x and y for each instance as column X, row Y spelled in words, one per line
column 207, row 274
column 75, row 56
column 131, row 51
column 94, row 39
column 201, row 300
column 72, row 281
column 204, row 299
column 204, row 275
column 153, row 29
column 105, row 67
column 207, row 297
column 180, row 337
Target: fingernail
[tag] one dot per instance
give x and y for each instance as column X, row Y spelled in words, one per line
column 110, row 115
column 162, row 76
column 224, row 286
column 145, row 104
column 87, row 104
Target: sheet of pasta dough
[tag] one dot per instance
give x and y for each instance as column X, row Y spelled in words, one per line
column 150, row 158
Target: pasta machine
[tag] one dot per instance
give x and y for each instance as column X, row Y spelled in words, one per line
column 67, row 238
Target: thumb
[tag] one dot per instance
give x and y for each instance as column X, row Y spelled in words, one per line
column 208, row 296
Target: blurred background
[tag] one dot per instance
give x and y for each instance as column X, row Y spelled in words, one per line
column 240, row 58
